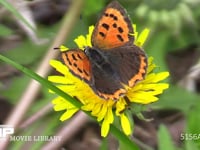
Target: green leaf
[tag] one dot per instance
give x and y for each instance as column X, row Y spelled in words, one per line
column 137, row 108
column 177, row 98
column 123, row 146
column 123, row 139
column 193, row 119
column 27, row 53
column 104, row 144
column 92, row 7
column 164, row 139
column 193, row 124
column 17, row 86
column 190, row 145
column 156, row 47
column 12, row 9
column 5, row 31
column 187, row 36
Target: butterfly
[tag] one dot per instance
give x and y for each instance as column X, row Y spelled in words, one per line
column 113, row 63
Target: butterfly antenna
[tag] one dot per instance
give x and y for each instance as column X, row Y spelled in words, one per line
column 56, row 48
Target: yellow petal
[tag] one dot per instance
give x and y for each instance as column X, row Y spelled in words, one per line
column 150, row 60
column 59, row 66
column 68, row 114
column 110, row 102
column 161, row 76
column 136, row 87
column 63, row 48
column 96, row 109
column 66, row 88
column 135, row 31
column 102, row 112
column 125, row 123
column 105, row 127
column 88, row 107
column 58, row 79
column 109, row 115
column 142, row 37
column 89, row 36
column 151, row 65
column 155, row 77
column 81, row 41
column 120, row 106
column 142, row 97
column 149, row 78
column 61, row 104
column 153, row 86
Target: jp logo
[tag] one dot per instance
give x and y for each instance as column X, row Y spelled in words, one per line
column 6, row 130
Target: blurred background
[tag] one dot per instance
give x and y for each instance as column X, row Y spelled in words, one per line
column 173, row 42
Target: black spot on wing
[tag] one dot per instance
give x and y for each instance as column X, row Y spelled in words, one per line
column 120, row 30
column 115, row 18
column 106, row 14
column 114, row 25
column 106, row 26
column 111, row 15
column 74, row 57
column 120, row 37
column 86, row 72
column 80, row 70
column 79, row 56
column 68, row 60
column 102, row 34
column 75, row 65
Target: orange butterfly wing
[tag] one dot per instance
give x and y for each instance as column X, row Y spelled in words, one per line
column 113, row 28
column 78, row 63
column 113, row 59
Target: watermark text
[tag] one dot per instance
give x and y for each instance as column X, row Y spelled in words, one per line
column 5, row 131
column 190, row 136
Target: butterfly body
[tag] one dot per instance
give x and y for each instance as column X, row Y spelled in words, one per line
column 106, row 79
column 113, row 62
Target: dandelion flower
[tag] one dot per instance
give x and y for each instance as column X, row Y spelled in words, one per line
column 143, row 92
